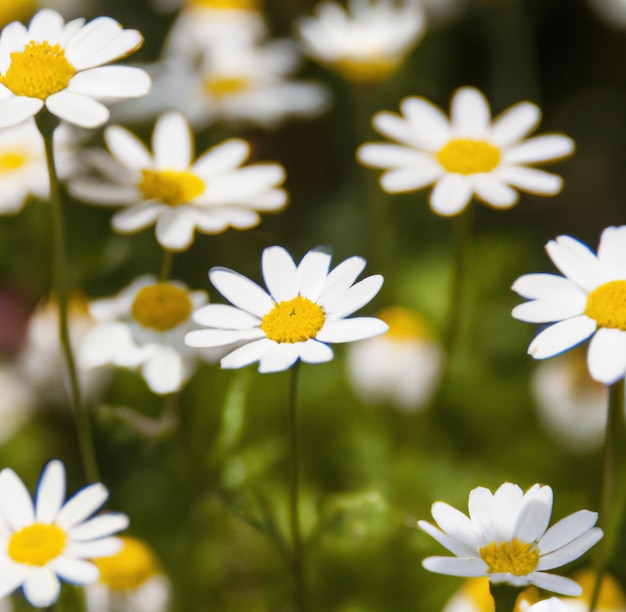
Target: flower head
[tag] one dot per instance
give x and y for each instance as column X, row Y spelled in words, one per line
column 46, row 540
column 181, row 195
column 507, row 539
column 589, row 301
column 367, row 42
column 143, row 327
column 303, row 310
column 60, row 66
column 468, row 155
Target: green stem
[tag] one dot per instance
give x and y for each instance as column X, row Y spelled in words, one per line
column 504, row 596
column 612, row 489
column 297, row 556
column 166, row 265
column 46, row 124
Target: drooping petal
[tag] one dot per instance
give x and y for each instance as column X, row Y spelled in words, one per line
column 561, row 336
column 175, row 228
column 279, row 357
column 165, row 370
column 606, row 357
column 41, row 587
column 493, row 191
column 313, row 351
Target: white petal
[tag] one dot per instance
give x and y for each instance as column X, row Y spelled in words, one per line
column 175, row 228
column 127, row 148
column 480, row 505
column 50, row 492
column 457, row 547
column 82, row 505
column 172, row 142
column 506, row 503
column 455, row 566
column 212, row 338
column 534, row 516
column 540, row 148
column 341, row 278
column 350, row 330
column 574, row 549
column 111, row 82
column 551, row 309
column 279, row 273
column 77, row 109
column 222, row 158
column 493, row 191
column 239, row 185
column 566, row 530
column 556, row 584
column 75, row 571
column 165, row 371
column 241, row 291
column 410, row 179
column 41, row 587
column 612, row 251
column 101, row 526
column 354, row 298
column 92, row 549
column 16, row 109
column 137, row 217
column 312, row 273
column 383, row 155
column 12, row 576
column 606, row 357
column 46, row 25
column 456, row 525
column 246, row 354
column 576, row 261
column 548, row 286
column 451, row 194
column 515, row 123
column 224, row 316
column 15, row 502
column 431, row 126
column 561, row 336
column 470, row 113
column 531, row 180
column 313, row 351
column 278, row 357
column 394, row 127
column 100, row 193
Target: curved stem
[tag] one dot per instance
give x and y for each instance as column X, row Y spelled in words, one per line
column 46, row 124
column 297, row 556
column 166, row 265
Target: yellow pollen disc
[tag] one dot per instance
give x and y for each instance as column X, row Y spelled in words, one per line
column 467, row 156
column 404, row 324
column 162, row 306
column 222, row 87
column 37, row 544
column 296, row 320
column 172, row 187
column 39, row 71
column 607, row 305
column 10, row 161
column 226, row 5
column 127, row 570
column 366, row 69
column 517, row 558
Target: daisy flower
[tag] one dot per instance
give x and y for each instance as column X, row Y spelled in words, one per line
column 587, row 302
column 59, row 66
column 302, row 311
column 46, row 540
column 143, row 327
column 506, row 538
column 365, row 43
column 468, row 155
column 180, row 195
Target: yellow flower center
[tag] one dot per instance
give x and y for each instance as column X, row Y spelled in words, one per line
column 369, row 69
column 606, row 305
column 39, row 71
column 172, row 187
column 515, row 557
column 295, row 320
column 127, row 570
column 404, row 324
column 162, row 306
column 10, row 161
column 37, row 544
column 468, row 156
column 226, row 5
column 222, row 86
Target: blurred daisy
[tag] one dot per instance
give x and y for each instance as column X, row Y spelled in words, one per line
column 571, row 406
column 181, row 195
column 475, row 596
column 587, row 302
column 130, row 581
column 48, row 539
column 23, row 168
column 303, row 310
column 468, row 155
column 611, row 597
column 506, row 538
column 143, row 327
column 554, row 604
column 401, row 366
column 368, row 41
column 60, row 66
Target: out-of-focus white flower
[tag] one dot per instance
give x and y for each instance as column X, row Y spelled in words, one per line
column 366, row 42
column 572, row 407
column 554, row 604
column 41, row 362
column 18, row 401
column 143, row 327
column 23, row 168
column 130, row 581
column 401, row 366
column 613, row 12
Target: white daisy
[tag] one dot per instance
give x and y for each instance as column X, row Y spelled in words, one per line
column 23, row 168
column 507, row 539
column 366, row 42
column 468, row 155
column 130, row 581
column 61, row 66
column 587, row 302
column 303, row 310
column 181, row 195
column 143, row 327
column 46, row 540
column 554, row 604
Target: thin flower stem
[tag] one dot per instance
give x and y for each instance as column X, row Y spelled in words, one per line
column 504, row 596
column 612, row 491
column 166, row 265
column 297, row 556
column 46, row 124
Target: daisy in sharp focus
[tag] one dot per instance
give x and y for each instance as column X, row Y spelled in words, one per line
column 60, row 66
column 302, row 311
column 467, row 155
column 47, row 540
column 365, row 43
column 506, row 538
column 589, row 301
column 143, row 328
column 167, row 187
